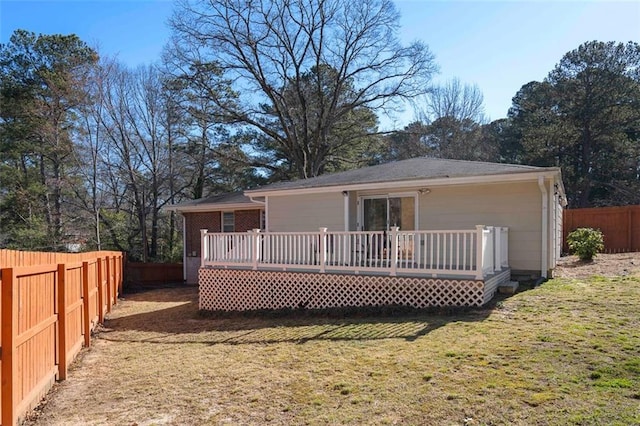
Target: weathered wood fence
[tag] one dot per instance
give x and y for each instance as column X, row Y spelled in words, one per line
column 138, row 273
column 50, row 303
column 620, row 226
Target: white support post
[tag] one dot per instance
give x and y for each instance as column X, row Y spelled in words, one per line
column 497, row 248
column 323, row 249
column 255, row 253
column 479, row 238
column 393, row 259
column 204, row 246
column 345, row 196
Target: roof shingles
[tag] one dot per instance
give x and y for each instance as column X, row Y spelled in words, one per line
column 412, row 169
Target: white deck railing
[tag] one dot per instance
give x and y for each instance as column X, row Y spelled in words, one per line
column 475, row 253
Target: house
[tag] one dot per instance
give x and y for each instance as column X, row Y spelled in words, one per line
column 231, row 212
column 421, row 232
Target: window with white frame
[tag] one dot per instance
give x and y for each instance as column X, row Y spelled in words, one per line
column 228, row 222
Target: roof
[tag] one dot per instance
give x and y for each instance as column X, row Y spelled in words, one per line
column 229, row 200
column 422, row 168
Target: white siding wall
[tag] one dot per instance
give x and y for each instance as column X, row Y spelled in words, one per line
column 516, row 205
column 298, row 213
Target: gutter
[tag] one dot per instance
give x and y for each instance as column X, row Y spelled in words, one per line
column 251, row 197
column 544, row 267
column 212, row 207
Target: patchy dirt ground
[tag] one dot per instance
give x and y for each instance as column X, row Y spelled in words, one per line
column 573, row 347
column 606, row 265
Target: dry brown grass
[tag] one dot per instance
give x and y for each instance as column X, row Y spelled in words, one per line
column 567, row 352
column 606, row 265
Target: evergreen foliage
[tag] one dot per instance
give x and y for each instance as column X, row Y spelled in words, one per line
column 585, row 243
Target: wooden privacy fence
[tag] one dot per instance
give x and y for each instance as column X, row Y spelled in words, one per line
column 153, row 273
column 620, row 226
column 49, row 304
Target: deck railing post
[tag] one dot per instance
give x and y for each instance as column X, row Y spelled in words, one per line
column 255, row 252
column 504, row 237
column 204, row 247
column 497, row 248
column 323, row 249
column 479, row 245
column 489, row 254
column 393, row 259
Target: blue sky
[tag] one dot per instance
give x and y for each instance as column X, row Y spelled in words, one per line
column 497, row 45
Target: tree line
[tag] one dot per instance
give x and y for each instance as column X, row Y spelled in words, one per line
column 251, row 93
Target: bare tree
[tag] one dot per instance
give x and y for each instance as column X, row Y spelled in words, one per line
column 269, row 46
column 453, row 99
column 454, row 113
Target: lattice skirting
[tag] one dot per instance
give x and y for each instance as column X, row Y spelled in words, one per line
column 240, row 290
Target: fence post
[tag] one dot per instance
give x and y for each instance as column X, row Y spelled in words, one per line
column 629, row 228
column 479, row 238
column 86, row 325
column 62, row 322
column 323, row 249
column 9, row 333
column 204, row 246
column 100, row 278
column 120, row 260
column 109, row 284
column 393, row 258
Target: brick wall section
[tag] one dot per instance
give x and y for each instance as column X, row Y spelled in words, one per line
column 194, row 223
column 245, row 220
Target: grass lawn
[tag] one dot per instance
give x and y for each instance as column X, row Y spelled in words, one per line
column 567, row 352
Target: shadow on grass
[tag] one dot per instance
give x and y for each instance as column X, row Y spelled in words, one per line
column 181, row 322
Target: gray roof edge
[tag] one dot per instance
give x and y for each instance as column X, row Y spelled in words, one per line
column 303, row 183
column 230, row 198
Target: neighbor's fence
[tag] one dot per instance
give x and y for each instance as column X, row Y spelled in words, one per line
column 146, row 273
column 49, row 304
column 620, row 226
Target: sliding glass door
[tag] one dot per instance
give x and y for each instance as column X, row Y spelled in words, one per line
column 381, row 213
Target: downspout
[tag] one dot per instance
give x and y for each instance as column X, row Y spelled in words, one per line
column 264, row 203
column 552, row 228
column 544, row 267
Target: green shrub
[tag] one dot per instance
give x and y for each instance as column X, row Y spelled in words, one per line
column 585, row 242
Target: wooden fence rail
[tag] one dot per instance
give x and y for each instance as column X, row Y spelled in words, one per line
column 620, row 226
column 50, row 303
